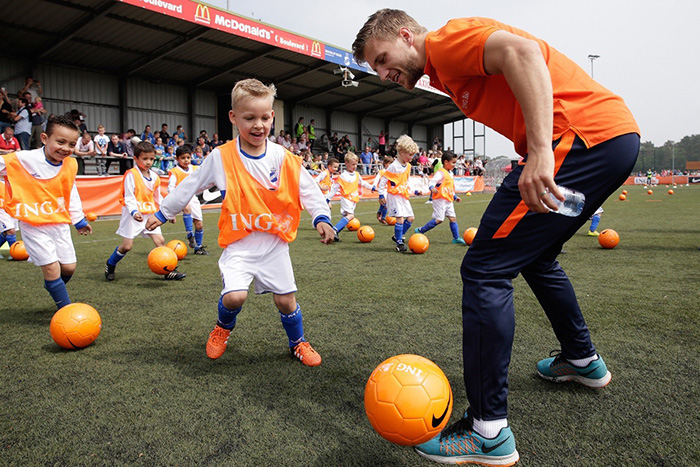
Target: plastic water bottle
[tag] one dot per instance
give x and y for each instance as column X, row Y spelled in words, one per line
column 573, row 202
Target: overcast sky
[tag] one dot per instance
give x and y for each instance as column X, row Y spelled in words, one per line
column 649, row 50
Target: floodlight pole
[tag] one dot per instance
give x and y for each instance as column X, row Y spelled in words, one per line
column 673, row 165
column 592, row 58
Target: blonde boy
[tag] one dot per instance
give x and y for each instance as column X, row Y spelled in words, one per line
column 348, row 185
column 41, row 194
column 263, row 187
column 101, row 146
column 395, row 180
column 442, row 187
column 140, row 198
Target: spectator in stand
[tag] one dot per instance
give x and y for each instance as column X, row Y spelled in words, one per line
column 23, row 124
column 311, row 130
column 202, row 143
column 101, row 149
column 294, row 147
column 287, row 143
column 203, row 134
column 281, row 138
column 197, row 156
column 180, row 132
column 129, row 144
column 215, row 141
column 382, row 143
column 6, row 111
column 303, row 142
column 334, row 143
column 8, row 142
column 165, row 136
column 173, row 141
column 85, row 149
column 478, row 167
column 160, row 148
column 37, row 120
column 147, row 135
column 424, row 163
column 366, row 159
column 168, row 159
column 33, row 87
column 298, row 128
column 115, row 148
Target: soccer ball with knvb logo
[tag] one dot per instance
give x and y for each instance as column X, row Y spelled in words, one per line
column 408, row 399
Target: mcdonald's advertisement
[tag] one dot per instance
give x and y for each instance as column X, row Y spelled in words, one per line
column 206, row 15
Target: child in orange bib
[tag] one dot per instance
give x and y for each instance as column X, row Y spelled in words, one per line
column 192, row 214
column 263, row 188
column 348, row 185
column 40, row 193
column 140, row 198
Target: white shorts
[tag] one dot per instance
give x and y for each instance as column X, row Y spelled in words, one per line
column 48, row 243
column 443, row 208
column 398, row 206
column 131, row 228
column 7, row 222
column 260, row 256
column 347, row 206
column 597, row 211
column 196, row 209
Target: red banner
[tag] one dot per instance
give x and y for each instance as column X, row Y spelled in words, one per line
column 223, row 21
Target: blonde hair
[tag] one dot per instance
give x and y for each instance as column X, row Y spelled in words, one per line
column 383, row 25
column 251, row 89
column 406, row 144
column 350, row 156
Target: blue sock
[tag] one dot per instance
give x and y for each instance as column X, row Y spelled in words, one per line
column 406, row 226
column 428, row 225
column 116, row 257
column 189, row 225
column 398, row 232
column 382, row 211
column 65, row 279
column 198, row 237
column 3, row 238
column 454, row 227
column 11, row 239
column 227, row 317
column 58, row 291
column 341, row 224
column 292, row 324
column 594, row 222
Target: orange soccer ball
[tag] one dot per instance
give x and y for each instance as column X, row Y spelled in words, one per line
column 624, row 192
column 162, row 260
column 390, row 220
column 179, row 247
column 623, row 197
column 75, row 326
column 91, row 216
column 670, row 192
column 608, row 238
column 354, row 224
column 408, row 399
column 18, row 251
column 418, row 243
column 469, row 235
column 650, row 192
column 365, row 234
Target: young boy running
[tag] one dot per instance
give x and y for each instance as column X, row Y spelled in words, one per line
column 327, row 177
column 348, row 185
column 442, row 187
column 41, row 194
column 263, row 188
column 398, row 191
column 140, row 198
column 192, row 214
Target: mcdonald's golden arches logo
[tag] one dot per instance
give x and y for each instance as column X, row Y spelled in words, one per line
column 201, row 14
column 316, row 49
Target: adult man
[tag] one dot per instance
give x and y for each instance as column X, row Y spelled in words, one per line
column 366, row 158
column 8, row 142
column 570, row 130
column 164, row 133
column 299, row 128
column 23, row 123
column 312, row 133
column 147, row 135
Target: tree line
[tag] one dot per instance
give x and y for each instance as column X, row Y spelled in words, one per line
column 671, row 154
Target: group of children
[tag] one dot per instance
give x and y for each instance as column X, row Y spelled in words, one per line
column 263, row 187
column 392, row 184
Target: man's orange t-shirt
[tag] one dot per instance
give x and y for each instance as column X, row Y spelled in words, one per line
column 455, row 64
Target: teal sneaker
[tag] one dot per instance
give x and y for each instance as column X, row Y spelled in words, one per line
column 459, row 241
column 459, row 444
column 559, row 370
column 417, row 230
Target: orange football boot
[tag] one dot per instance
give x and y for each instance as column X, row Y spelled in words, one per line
column 216, row 344
column 306, row 354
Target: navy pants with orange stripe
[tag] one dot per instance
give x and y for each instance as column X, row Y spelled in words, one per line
column 512, row 241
